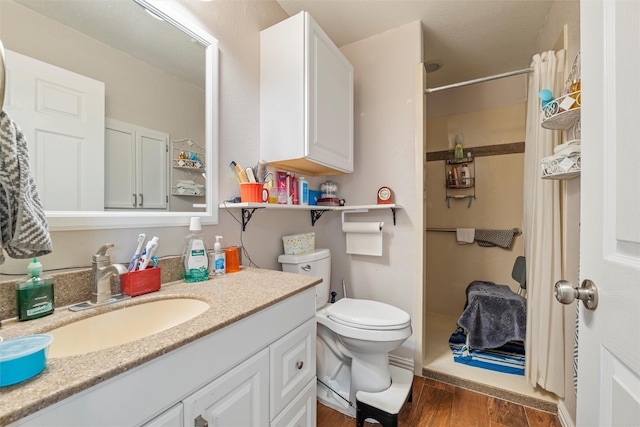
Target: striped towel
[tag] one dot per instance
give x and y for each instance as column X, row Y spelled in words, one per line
column 488, row 238
column 23, row 226
column 508, row 359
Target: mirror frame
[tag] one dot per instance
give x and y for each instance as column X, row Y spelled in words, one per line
column 99, row 220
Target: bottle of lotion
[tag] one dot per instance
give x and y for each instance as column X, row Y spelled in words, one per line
column 465, row 175
column 219, row 258
column 195, row 255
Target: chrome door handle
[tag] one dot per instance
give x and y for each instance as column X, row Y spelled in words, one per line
column 135, row 199
column 141, row 202
column 306, row 267
column 566, row 293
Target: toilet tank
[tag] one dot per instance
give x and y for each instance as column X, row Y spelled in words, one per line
column 316, row 263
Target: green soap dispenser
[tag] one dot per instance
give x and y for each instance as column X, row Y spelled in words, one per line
column 34, row 293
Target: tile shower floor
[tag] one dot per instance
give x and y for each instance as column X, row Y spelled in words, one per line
column 438, row 358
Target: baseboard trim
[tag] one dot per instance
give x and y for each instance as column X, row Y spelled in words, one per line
column 563, row 415
column 499, row 393
column 401, row 362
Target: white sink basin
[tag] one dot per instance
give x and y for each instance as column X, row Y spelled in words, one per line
column 122, row 326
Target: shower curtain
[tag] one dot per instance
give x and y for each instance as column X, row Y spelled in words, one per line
column 545, row 361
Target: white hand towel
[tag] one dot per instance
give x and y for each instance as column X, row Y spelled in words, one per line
column 465, row 235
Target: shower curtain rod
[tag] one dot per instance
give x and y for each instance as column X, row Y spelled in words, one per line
column 480, row 80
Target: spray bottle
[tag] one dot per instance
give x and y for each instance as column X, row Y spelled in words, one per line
column 219, row 259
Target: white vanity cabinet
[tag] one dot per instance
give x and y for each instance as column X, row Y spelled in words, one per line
column 306, row 99
column 255, row 372
column 136, row 166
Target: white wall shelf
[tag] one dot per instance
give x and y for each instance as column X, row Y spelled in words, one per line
column 316, row 212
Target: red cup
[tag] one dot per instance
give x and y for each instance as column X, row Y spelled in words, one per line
column 251, row 192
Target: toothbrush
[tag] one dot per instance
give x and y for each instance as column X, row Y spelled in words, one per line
column 148, row 253
column 136, row 255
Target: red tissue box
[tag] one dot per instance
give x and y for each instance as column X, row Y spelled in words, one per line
column 140, row 282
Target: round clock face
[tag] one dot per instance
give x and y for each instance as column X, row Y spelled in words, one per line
column 384, row 195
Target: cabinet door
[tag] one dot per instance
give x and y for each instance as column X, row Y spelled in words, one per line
column 293, row 364
column 302, row 411
column 172, row 417
column 120, row 166
column 238, row 398
column 330, row 101
column 152, row 148
column 136, row 166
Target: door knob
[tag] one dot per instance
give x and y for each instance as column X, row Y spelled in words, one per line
column 566, row 293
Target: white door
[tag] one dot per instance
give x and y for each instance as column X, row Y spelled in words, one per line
column 62, row 116
column 609, row 336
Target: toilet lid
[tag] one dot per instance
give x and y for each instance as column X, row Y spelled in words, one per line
column 366, row 314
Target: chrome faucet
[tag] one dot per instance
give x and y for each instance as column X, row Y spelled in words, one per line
column 102, row 270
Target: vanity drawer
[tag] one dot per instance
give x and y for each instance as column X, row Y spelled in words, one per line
column 302, row 411
column 293, row 364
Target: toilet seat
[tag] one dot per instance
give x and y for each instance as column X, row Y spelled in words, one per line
column 366, row 314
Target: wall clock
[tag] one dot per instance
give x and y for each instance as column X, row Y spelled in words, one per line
column 385, row 196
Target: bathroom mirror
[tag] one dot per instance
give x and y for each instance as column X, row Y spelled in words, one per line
column 158, row 35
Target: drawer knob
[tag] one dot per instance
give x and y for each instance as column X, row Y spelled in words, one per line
column 300, row 364
column 200, row 422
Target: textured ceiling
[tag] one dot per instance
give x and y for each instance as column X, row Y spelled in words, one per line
column 472, row 38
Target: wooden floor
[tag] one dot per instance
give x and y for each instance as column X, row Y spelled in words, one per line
column 439, row 404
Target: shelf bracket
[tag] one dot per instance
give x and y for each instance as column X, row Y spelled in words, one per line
column 246, row 217
column 393, row 212
column 316, row 214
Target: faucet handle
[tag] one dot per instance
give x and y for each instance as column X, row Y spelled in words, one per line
column 102, row 255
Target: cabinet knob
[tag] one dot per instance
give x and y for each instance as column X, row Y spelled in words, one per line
column 200, row 422
column 300, row 364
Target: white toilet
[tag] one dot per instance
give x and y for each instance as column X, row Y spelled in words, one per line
column 354, row 337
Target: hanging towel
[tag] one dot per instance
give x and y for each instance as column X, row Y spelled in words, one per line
column 23, row 226
column 502, row 238
column 465, row 235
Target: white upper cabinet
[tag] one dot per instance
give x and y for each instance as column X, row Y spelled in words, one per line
column 306, row 99
column 136, row 166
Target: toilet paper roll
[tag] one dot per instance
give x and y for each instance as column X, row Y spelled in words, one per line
column 363, row 238
column 362, row 227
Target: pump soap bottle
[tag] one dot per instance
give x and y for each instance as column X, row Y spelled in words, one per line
column 195, row 254
column 34, row 293
column 219, row 258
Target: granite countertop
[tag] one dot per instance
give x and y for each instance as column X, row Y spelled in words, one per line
column 230, row 297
